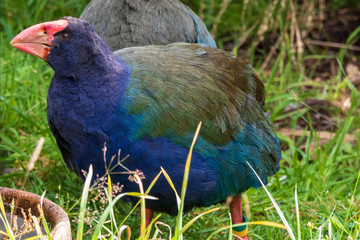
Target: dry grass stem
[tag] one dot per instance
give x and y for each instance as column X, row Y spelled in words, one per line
column 333, row 44
column 33, row 159
column 163, row 224
column 224, row 5
column 245, row 34
column 24, row 224
column 266, row 23
column 271, row 54
column 121, row 230
column 322, row 134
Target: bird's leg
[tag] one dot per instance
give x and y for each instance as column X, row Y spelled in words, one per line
column 148, row 216
column 239, row 232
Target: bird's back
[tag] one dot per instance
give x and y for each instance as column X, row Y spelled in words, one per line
column 128, row 23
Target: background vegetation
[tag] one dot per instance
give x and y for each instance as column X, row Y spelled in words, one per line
column 307, row 54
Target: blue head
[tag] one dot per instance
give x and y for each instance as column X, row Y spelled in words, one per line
column 65, row 44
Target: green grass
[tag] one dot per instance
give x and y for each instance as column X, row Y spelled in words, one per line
column 324, row 173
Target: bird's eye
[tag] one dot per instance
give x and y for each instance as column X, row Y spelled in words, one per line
column 65, row 36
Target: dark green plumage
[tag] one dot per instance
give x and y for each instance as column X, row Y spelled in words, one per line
column 212, row 85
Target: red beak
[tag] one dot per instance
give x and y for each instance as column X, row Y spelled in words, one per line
column 36, row 40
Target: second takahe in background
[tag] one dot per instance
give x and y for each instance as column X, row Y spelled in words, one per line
column 147, row 101
column 130, row 23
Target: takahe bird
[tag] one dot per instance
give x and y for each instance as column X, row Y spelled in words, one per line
column 130, row 23
column 147, row 101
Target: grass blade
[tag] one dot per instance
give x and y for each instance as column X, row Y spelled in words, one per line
column 196, row 218
column 297, row 213
column 83, row 202
column 110, row 207
column 43, row 220
column 9, row 231
column 178, row 235
column 178, row 200
column 283, row 219
column 351, row 203
column 147, row 192
column 265, row 223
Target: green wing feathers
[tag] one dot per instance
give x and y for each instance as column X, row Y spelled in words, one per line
column 176, row 86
